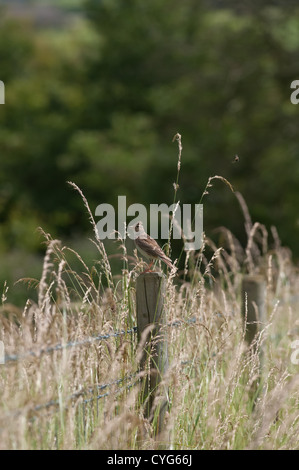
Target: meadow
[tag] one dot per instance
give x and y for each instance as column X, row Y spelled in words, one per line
column 94, row 92
column 72, row 379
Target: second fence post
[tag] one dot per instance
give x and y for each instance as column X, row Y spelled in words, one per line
column 254, row 287
column 253, row 310
column 150, row 292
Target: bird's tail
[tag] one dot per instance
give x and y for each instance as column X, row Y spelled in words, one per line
column 167, row 261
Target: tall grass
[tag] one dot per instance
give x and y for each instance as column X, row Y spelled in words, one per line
column 83, row 391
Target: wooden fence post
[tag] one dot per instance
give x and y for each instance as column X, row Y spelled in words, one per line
column 254, row 289
column 150, row 291
column 254, row 308
column 2, row 92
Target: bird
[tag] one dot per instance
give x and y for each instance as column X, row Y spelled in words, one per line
column 149, row 248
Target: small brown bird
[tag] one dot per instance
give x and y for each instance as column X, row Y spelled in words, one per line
column 236, row 160
column 149, row 248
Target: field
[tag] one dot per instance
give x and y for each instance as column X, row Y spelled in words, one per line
column 72, row 379
column 98, row 95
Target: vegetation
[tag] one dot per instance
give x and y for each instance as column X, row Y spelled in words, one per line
column 76, row 385
column 72, row 358
column 97, row 101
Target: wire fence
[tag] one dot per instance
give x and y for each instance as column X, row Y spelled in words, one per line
column 94, row 393
column 97, row 391
column 12, row 358
column 9, row 358
column 70, row 344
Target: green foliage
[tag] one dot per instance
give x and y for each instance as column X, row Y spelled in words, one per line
column 98, row 102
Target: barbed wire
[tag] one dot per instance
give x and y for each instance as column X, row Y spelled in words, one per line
column 121, row 382
column 71, row 344
column 87, row 391
column 57, row 402
column 9, row 358
column 80, row 393
column 99, row 391
column 74, row 396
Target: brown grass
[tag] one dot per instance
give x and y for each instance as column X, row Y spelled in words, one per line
column 49, row 400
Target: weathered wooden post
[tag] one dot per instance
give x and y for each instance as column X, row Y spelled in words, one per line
column 150, row 292
column 254, row 309
column 2, row 92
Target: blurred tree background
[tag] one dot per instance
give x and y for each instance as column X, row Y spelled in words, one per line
column 96, row 90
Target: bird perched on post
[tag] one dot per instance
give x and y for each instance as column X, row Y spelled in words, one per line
column 149, row 248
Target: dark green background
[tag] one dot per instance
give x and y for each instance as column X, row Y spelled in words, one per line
column 96, row 90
